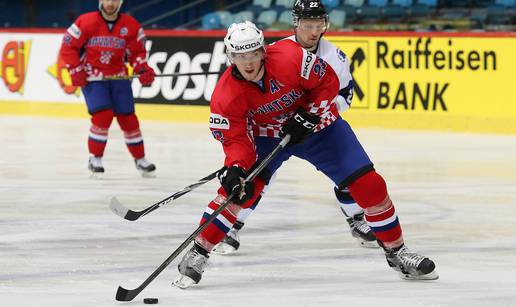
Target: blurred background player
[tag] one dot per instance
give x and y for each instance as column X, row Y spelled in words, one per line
column 264, row 96
column 96, row 45
column 310, row 23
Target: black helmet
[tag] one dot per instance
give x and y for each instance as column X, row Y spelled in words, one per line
column 309, row 9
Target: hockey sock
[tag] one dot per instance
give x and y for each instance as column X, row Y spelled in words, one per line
column 218, row 229
column 132, row 134
column 370, row 192
column 221, row 225
column 100, row 123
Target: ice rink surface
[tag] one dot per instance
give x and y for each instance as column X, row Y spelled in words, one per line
column 60, row 245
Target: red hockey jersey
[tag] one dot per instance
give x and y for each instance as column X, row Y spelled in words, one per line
column 241, row 109
column 91, row 43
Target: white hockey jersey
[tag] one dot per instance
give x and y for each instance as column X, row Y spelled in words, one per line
column 340, row 64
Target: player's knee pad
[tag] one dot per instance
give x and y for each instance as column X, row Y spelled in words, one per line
column 369, row 190
column 230, row 212
column 102, row 119
column 128, row 122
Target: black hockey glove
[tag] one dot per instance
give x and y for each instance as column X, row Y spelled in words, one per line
column 300, row 126
column 232, row 180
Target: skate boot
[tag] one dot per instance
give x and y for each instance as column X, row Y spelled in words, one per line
column 191, row 267
column 358, row 226
column 95, row 167
column 231, row 241
column 146, row 168
column 410, row 266
column 361, row 231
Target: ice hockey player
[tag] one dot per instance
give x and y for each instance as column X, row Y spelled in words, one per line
column 310, row 23
column 277, row 90
column 94, row 46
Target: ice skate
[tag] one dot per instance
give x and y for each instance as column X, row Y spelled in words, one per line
column 410, row 265
column 95, row 167
column 145, row 168
column 361, row 231
column 229, row 244
column 191, row 268
column 231, row 241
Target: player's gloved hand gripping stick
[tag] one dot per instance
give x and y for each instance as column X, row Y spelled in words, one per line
column 145, row 74
column 300, row 125
column 123, row 294
column 233, row 181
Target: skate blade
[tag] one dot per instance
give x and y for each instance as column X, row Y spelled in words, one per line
column 223, row 249
column 368, row 244
column 148, row 174
column 96, row 176
column 430, row 276
column 183, row 282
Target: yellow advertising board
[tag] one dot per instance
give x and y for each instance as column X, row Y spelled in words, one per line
column 434, row 81
column 461, row 83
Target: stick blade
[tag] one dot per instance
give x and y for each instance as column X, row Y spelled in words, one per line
column 122, row 295
column 132, row 215
column 117, row 207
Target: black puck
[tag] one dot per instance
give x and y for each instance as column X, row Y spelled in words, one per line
column 150, row 300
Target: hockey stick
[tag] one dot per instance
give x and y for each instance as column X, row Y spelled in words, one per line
column 110, row 78
column 125, row 295
column 119, row 209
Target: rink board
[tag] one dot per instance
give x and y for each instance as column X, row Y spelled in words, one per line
column 437, row 81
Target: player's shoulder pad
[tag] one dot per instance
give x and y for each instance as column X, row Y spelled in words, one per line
column 227, row 91
column 332, row 48
column 286, row 50
column 130, row 21
column 128, row 18
column 290, row 51
column 285, row 44
column 290, row 38
column 84, row 23
column 229, row 96
column 131, row 27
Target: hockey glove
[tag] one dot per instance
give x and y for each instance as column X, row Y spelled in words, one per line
column 232, row 181
column 79, row 76
column 300, row 126
column 146, row 73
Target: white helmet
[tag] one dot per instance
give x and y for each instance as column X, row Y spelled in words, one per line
column 243, row 37
column 119, row 7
